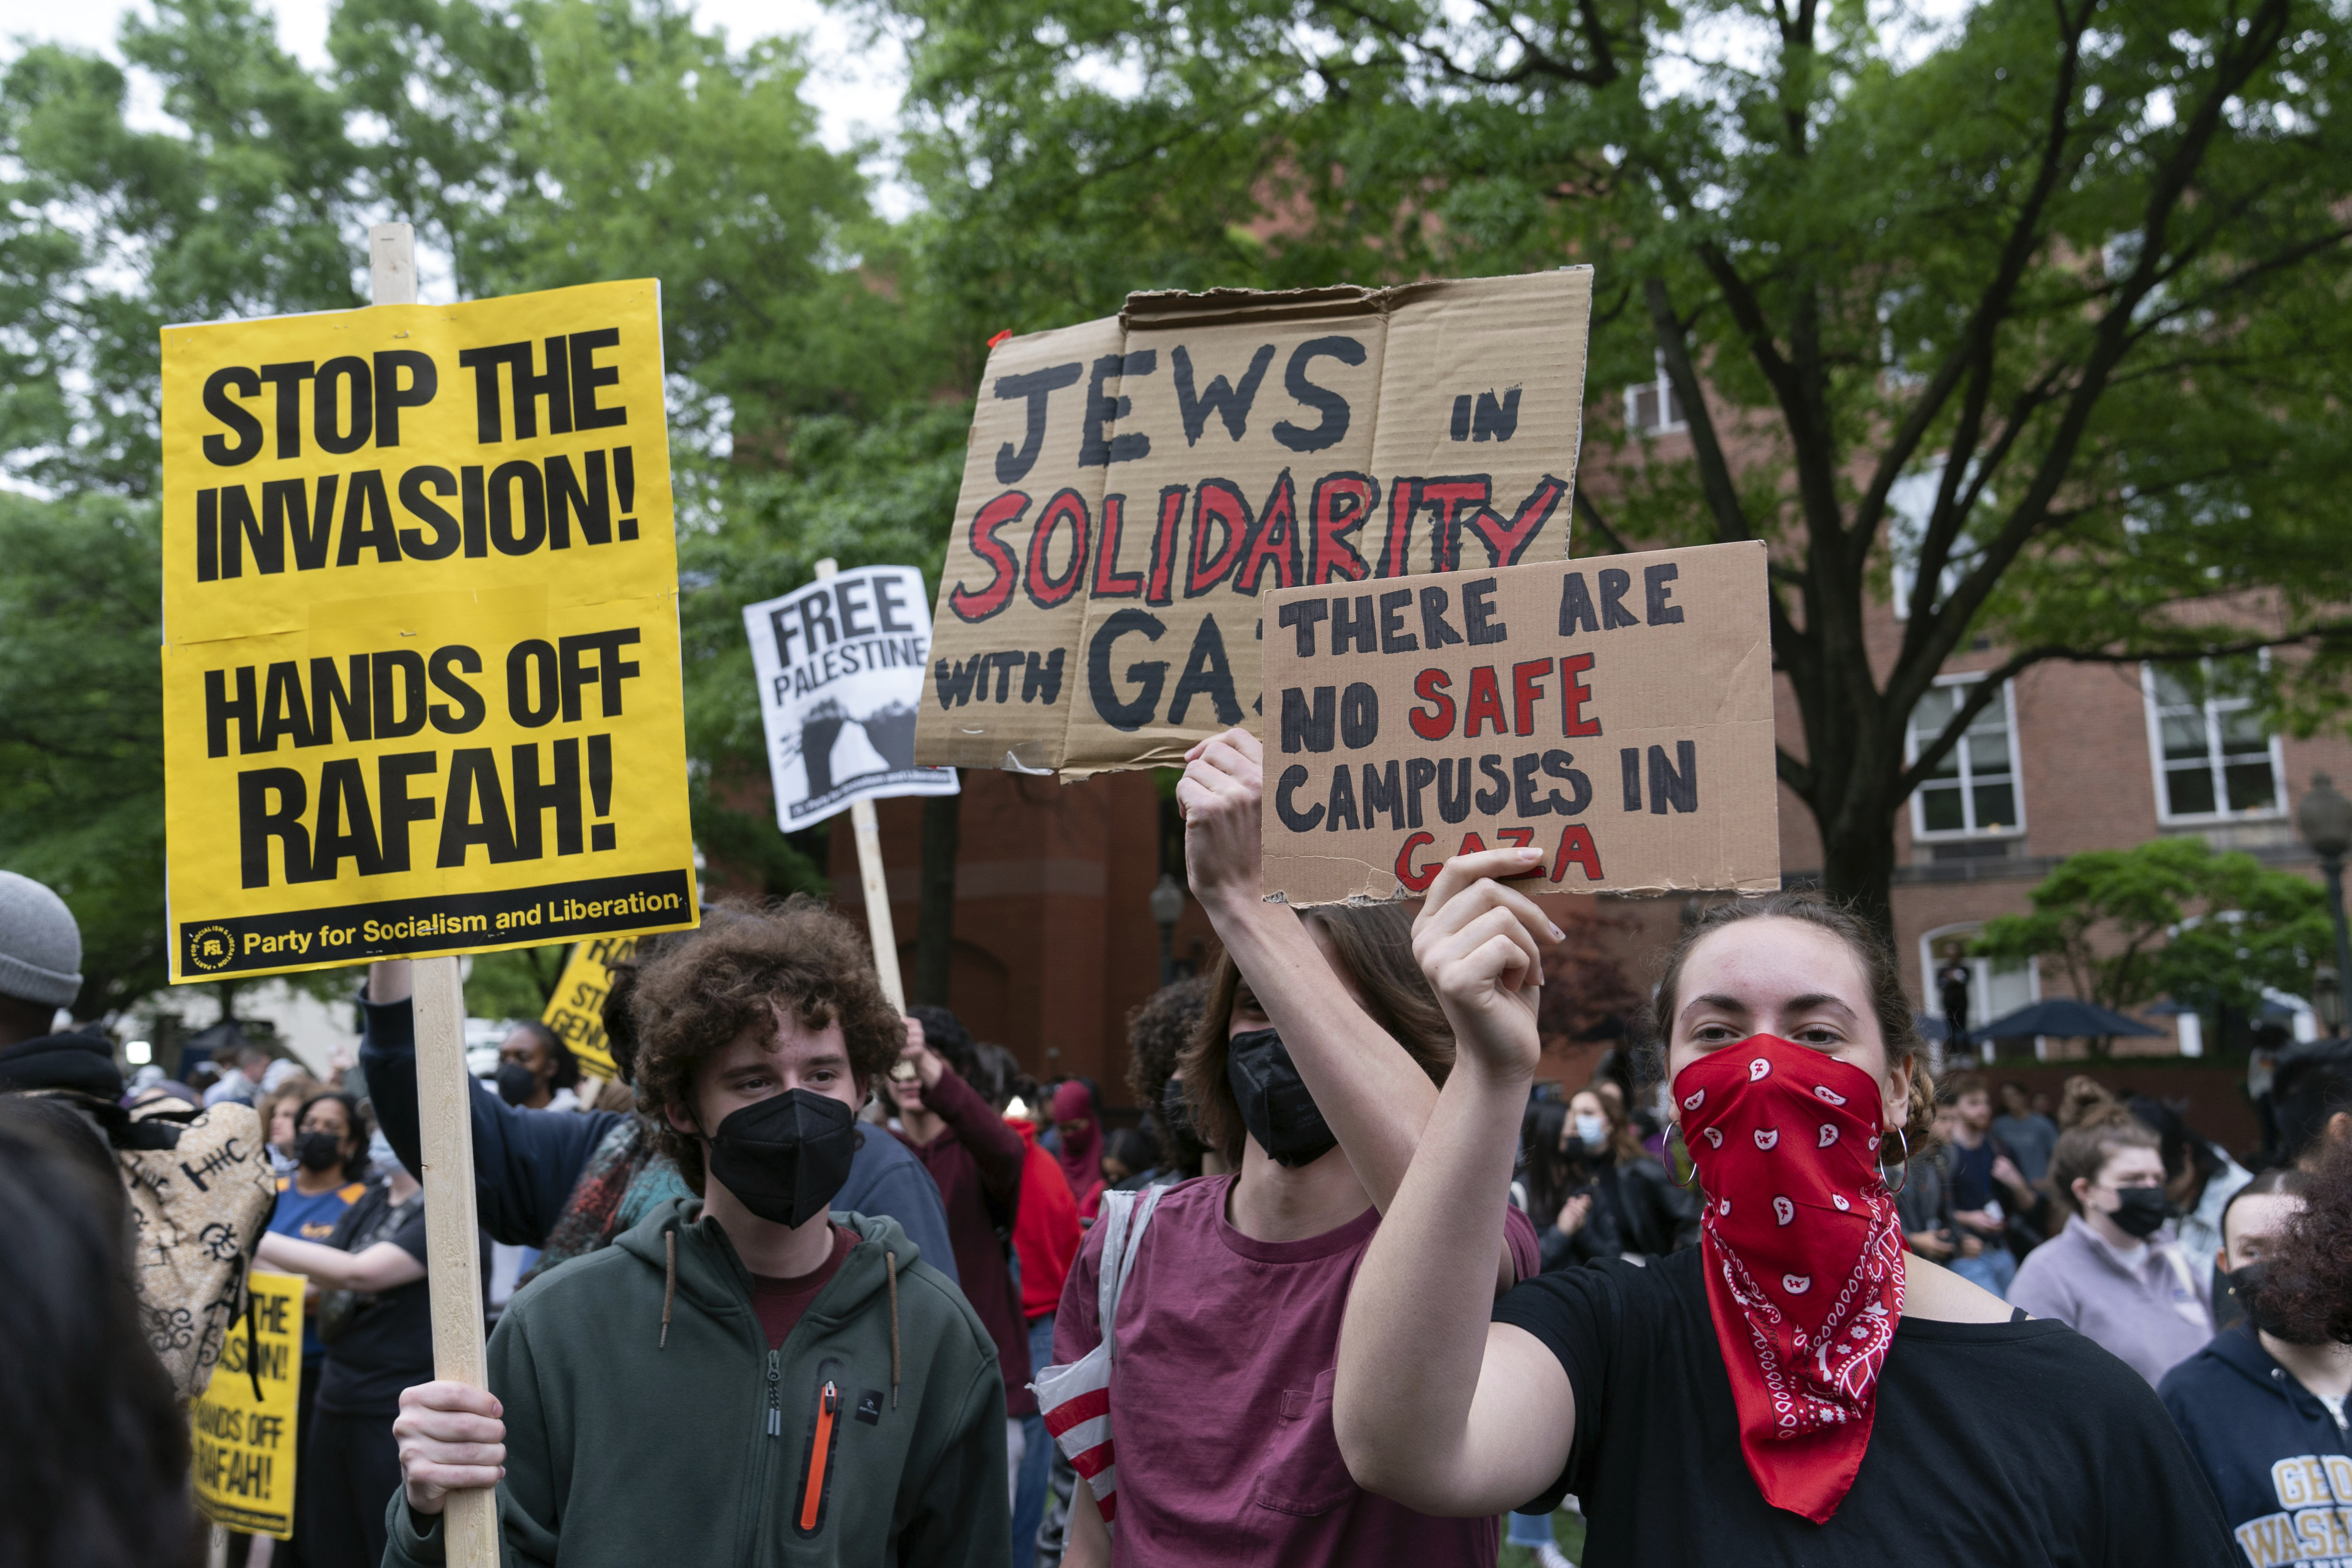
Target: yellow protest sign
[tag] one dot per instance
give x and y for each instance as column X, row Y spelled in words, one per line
column 577, row 1013
column 421, row 687
column 245, row 1444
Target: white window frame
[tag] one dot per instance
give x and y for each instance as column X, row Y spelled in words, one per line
column 2214, row 708
column 1920, row 831
column 1663, row 387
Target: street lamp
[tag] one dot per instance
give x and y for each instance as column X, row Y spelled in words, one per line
column 1167, row 899
column 2327, row 997
column 2324, row 817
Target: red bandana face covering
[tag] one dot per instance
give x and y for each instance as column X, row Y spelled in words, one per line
column 1803, row 1258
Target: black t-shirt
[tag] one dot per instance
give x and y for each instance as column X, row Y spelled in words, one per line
column 2016, row 1444
column 389, row 1345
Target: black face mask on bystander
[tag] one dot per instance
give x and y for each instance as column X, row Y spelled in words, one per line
column 2140, row 1211
column 517, row 1083
column 785, row 1157
column 319, row 1150
column 1275, row 1103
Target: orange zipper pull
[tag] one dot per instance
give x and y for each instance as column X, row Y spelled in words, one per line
column 812, row 1493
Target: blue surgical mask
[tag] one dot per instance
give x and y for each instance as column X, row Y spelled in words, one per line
column 1593, row 1130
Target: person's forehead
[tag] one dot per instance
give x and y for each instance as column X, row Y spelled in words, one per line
column 2264, row 1215
column 785, row 1039
column 2134, row 1158
column 1768, row 961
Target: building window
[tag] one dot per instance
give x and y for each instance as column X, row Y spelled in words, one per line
column 1651, row 406
column 2214, row 759
column 1974, row 789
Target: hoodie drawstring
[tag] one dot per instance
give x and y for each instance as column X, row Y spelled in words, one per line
column 669, row 1285
column 890, row 1263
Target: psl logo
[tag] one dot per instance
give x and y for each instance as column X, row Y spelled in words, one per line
column 210, row 947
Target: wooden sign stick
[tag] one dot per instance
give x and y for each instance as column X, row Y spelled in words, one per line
column 445, row 1106
column 871, row 876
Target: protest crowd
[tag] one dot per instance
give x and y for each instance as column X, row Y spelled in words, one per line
column 817, row 1282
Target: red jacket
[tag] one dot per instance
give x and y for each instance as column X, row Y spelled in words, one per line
column 1045, row 1231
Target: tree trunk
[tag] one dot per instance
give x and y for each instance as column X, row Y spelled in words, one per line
column 1858, row 867
column 935, row 923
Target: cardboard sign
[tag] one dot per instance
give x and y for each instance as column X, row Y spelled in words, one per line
column 577, row 1013
column 1616, row 712
column 421, row 687
column 246, row 1445
column 840, row 666
column 1133, row 485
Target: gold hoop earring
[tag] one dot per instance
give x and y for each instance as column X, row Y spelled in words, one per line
column 1895, row 1191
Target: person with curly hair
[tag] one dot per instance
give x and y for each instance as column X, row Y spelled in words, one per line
column 1796, row 1389
column 2312, row 1293
column 1157, row 1033
column 561, row 1183
column 2263, row 1406
column 749, row 1371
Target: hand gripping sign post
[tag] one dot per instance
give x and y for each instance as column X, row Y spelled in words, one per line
column 1616, row 712
column 1133, row 485
column 421, row 691
column 840, row 664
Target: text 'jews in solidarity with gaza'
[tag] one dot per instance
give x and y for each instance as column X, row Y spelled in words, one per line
column 421, row 660
column 1133, row 485
column 1615, row 713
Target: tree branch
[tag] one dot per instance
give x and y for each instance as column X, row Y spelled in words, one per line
column 1707, row 449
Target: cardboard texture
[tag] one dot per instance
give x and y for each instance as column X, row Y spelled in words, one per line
column 1616, row 712
column 1134, row 485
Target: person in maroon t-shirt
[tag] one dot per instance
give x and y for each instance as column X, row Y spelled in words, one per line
column 1313, row 1070
column 976, row 1160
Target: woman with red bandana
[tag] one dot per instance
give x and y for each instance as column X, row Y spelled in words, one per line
column 1797, row 1389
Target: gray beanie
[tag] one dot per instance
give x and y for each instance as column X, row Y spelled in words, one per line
column 40, row 945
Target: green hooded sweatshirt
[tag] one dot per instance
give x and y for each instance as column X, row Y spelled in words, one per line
column 648, row 1422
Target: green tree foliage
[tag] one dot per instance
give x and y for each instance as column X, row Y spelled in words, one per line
column 517, row 982
column 864, row 492
column 535, row 145
column 2077, row 271
column 2169, row 918
column 81, row 728
column 108, row 233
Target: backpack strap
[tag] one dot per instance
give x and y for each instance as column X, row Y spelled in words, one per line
column 1121, row 1243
